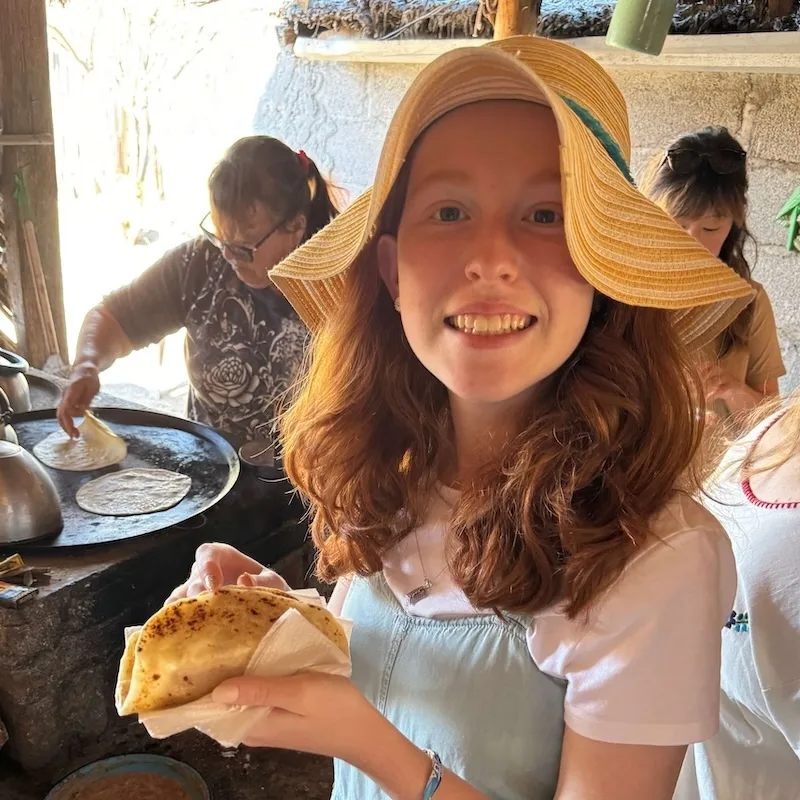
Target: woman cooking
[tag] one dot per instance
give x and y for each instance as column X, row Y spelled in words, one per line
column 701, row 181
column 244, row 341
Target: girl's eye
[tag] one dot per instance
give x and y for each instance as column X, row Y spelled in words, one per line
column 547, row 216
column 448, row 214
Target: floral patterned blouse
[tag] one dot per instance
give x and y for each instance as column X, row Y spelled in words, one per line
column 243, row 346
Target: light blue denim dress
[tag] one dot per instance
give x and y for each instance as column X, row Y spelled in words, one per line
column 466, row 688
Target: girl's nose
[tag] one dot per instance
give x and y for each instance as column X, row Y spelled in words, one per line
column 495, row 256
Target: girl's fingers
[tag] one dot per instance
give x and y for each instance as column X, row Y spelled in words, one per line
column 208, row 573
column 207, row 568
column 278, row 692
column 212, row 577
column 194, row 586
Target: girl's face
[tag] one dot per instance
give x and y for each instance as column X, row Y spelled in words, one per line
column 710, row 230
column 268, row 239
column 490, row 300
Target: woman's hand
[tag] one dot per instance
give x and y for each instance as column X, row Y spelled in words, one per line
column 721, row 385
column 327, row 715
column 217, row 565
column 84, row 384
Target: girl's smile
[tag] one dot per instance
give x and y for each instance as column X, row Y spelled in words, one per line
column 490, row 326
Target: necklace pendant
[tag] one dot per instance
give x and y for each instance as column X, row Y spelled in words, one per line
column 420, row 593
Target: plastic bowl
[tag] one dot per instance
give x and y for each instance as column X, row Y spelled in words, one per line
column 186, row 777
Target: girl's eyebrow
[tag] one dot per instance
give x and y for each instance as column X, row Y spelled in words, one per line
column 548, row 179
column 437, row 177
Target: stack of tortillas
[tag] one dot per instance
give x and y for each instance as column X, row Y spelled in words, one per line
column 97, row 447
column 188, row 648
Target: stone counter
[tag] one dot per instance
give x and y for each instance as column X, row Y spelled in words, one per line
column 59, row 654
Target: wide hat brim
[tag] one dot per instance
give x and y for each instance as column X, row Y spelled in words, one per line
column 624, row 245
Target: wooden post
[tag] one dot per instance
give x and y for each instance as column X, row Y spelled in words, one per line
column 515, row 17
column 27, row 113
column 779, row 8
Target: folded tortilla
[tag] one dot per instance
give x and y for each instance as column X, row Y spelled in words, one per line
column 187, row 649
column 97, row 447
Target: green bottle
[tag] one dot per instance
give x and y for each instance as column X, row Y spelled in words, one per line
column 641, row 25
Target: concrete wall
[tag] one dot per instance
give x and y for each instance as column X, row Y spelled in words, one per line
column 339, row 112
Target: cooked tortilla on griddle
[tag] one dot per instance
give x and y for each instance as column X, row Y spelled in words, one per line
column 133, row 491
column 187, row 649
column 97, row 447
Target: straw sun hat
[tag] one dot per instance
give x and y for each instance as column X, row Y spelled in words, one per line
column 622, row 244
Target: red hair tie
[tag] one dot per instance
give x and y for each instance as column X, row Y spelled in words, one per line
column 305, row 161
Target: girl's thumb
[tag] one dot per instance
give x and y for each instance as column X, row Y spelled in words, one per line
column 266, row 579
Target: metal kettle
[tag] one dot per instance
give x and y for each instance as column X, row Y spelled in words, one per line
column 7, row 433
column 29, row 504
column 13, row 381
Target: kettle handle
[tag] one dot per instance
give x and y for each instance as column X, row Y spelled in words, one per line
column 6, row 412
column 14, row 363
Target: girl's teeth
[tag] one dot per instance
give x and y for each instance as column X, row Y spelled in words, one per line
column 490, row 325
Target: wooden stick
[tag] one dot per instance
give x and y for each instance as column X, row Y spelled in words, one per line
column 41, row 297
column 25, row 139
column 513, row 17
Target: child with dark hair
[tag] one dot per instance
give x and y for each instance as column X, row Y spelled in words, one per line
column 701, row 181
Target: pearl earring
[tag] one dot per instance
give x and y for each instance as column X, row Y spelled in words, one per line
column 397, row 304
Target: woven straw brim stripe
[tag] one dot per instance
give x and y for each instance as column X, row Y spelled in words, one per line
column 622, row 244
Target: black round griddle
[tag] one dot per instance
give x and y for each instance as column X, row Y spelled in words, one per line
column 154, row 440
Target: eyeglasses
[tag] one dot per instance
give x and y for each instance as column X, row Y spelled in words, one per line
column 685, row 161
column 240, row 252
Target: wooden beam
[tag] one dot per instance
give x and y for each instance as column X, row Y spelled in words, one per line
column 25, row 106
column 21, row 139
column 513, row 18
column 776, row 53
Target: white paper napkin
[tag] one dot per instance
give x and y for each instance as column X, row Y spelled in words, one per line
column 292, row 645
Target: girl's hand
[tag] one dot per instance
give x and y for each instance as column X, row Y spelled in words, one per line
column 217, row 565
column 312, row 712
column 721, row 385
column 328, row 716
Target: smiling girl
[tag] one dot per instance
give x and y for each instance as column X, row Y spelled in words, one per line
column 492, row 432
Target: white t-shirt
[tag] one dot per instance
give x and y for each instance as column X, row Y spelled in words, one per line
column 756, row 754
column 644, row 668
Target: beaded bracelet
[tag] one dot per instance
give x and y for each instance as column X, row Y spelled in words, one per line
column 436, row 775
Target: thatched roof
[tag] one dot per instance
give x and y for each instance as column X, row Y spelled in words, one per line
column 446, row 19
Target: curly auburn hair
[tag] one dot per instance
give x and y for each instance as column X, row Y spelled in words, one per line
column 705, row 192
column 563, row 508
